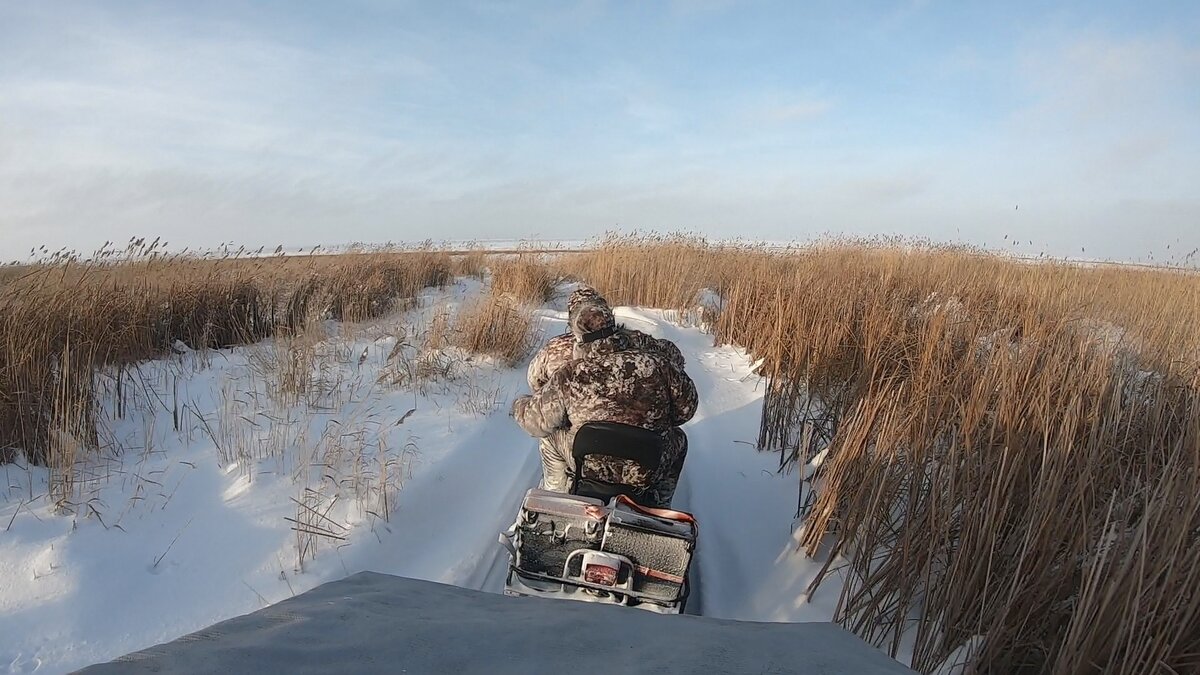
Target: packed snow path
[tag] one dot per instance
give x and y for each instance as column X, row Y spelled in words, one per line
column 213, row 543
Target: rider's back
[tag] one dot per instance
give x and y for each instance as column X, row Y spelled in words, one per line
column 611, row 381
column 635, row 387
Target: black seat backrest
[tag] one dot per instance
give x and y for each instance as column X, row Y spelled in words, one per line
column 613, row 439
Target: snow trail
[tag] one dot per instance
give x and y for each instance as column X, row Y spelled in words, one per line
column 186, row 542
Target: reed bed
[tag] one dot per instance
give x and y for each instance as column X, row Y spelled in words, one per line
column 471, row 264
column 65, row 320
column 524, row 277
column 496, row 326
column 1012, row 450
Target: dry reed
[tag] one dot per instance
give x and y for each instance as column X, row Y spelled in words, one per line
column 1014, row 448
column 471, row 264
column 496, row 326
column 524, row 278
column 62, row 320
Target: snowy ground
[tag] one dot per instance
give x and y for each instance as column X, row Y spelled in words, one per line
column 385, row 462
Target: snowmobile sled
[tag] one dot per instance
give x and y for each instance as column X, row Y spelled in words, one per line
column 597, row 543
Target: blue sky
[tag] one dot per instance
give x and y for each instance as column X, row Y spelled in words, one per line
column 304, row 123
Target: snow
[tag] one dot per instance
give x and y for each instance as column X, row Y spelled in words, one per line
column 414, row 476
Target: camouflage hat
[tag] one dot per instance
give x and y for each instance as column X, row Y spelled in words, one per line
column 593, row 322
column 584, row 295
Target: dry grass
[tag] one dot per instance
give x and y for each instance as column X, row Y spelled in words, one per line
column 63, row 320
column 12, row 272
column 434, row 351
column 1014, row 448
column 524, row 278
column 471, row 264
column 496, row 326
column 420, row 358
column 661, row 271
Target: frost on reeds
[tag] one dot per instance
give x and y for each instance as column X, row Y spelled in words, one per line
column 67, row 317
column 1012, row 450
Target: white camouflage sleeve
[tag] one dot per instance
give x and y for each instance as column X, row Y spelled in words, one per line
column 541, row 413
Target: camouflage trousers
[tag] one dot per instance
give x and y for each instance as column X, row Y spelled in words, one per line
column 558, row 469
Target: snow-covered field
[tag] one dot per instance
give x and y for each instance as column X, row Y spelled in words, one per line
column 384, row 457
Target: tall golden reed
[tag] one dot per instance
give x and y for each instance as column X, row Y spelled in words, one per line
column 1014, row 448
column 62, row 320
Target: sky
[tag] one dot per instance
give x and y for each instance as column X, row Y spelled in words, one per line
column 1070, row 129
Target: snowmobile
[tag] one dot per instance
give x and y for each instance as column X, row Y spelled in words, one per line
column 597, row 543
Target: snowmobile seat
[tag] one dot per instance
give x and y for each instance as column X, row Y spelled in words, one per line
column 621, row 441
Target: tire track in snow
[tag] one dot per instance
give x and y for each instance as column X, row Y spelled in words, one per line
column 728, row 412
column 745, row 567
column 493, row 568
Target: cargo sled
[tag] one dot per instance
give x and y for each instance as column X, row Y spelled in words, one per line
column 597, row 543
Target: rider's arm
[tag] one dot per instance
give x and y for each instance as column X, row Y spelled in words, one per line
column 541, row 413
column 548, row 359
column 537, row 374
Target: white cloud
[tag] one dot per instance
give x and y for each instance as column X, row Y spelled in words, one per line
column 150, row 96
column 226, row 131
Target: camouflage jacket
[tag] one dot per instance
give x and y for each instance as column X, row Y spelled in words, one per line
column 559, row 350
column 611, row 383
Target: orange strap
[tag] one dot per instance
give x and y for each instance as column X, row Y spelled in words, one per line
column 661, row 576
column 659, row 513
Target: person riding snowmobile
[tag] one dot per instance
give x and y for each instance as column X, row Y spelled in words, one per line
column 559, row 349
column 610, row 381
